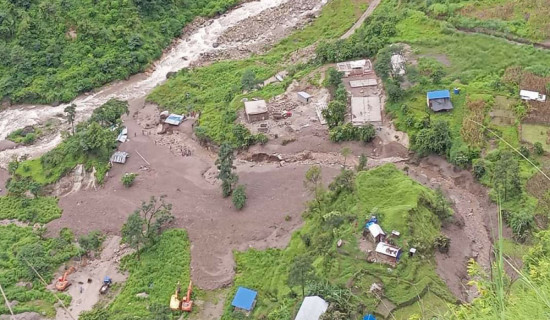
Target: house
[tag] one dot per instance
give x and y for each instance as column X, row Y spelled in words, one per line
column 387, row 253
column 119, row 157
column 439, row 100
column 174, row 119
column 312, row 308
column 375, row 234
column 256, row 110
column 123, row 136
column 366, row 110
column 355, row 68
column 245, row 300
column 304, row 97
column 532, row 96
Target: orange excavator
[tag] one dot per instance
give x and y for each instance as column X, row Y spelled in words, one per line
column 63, row 282
column 185, row 304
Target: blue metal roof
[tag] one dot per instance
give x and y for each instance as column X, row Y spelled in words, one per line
column 440, row 94
column 244, row 298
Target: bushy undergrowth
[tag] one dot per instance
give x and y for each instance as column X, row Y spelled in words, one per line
column 53, row 50
column 91, row 145
column 400, row 204
column 45, row 255
column 41, row 209
column 157, row 272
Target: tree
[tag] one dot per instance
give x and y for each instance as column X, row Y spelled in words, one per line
column 313, row 182
column 506, row 180
column 345, row 181
column 345, row 152
column 441, row 206
column 248, row 80
column 109, row 113
column 95, row 139
column 239, row 197
column 335, row 114
column 539, row 150
column 33, row 255
column 334, row 78
column 300, row 272
column 362, row 165
column 128, row 179
column 225, row 168
column 34, row 188
column 434, row 139
column 91, row 241
column 71, row 115
column 144, row 226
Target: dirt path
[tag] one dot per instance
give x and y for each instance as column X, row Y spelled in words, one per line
column 476, row 219
column 86, row 294
column 362, row 19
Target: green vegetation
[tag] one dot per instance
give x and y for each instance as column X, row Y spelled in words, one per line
column 239, row 197
column 51, row 51
column 534, row 134
column 225, row 167
column 91, row 144
column 216, row 90
column 91, row 241
column 342, row 275
column 27, row 136
column 19, row 245
column 41, row 209
column 143, row 227
column 128, row 179
column 147, row 275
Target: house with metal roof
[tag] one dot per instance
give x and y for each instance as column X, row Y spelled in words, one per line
column 304, row 97
column 119, row 157
column 532, row 96
column 354, row 68
column 312, row 308
column 245, row 299
column 174, row 119
column 387, row 253
column 256, row 110
column 376, row 234
column 439, row 100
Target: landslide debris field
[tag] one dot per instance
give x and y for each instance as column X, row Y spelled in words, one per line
column 311, row 179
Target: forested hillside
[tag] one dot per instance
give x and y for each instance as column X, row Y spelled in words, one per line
column 51, row 50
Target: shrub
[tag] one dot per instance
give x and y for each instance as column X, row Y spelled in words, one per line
column 348, row 132
column 128, row 179
column 91, row 241
column 524, row 151
column 261, row 138
column 335, row 114
column 434, row 139
column 521, row 222
column 479, row 169
column 239, row 197
column 539, row 150
column 66, row 234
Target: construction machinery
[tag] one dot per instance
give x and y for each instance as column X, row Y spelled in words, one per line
column 185, row 304
column 106, row 285
column 63, row 282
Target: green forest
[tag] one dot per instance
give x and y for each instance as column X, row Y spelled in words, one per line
column 52, row 50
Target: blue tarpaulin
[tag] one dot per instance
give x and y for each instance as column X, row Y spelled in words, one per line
column 369, row 317
column 244, row 299
column 440, row 94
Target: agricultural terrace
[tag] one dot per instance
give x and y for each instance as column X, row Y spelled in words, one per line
column 341, row 274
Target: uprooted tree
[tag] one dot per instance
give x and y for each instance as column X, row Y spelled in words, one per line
column 145, row 225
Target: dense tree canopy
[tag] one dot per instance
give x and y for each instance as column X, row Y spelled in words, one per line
column 50, row 50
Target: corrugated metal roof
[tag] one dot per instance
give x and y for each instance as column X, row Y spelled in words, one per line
column 119, row 157
column 244, row 298
column 363, row 83
column 387, row 249
column 439, row 94
column 375, row 230
column 304, row 95
column 174, row 119
column 312, row 308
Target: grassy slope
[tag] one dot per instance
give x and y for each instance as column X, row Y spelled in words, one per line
column 114, row 39
column 210, row 88
column 396, row 198
column 37, row 299
column 41, row 209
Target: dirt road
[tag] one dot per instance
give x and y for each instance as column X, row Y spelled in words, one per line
column 359, row 23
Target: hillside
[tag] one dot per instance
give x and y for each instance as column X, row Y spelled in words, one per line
column 52, row 50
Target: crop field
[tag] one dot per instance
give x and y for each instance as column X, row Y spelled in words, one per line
column 533, row 133
column 398, row 202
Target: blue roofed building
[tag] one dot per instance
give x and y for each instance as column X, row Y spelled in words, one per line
column 439, row 100
column 245, row 299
